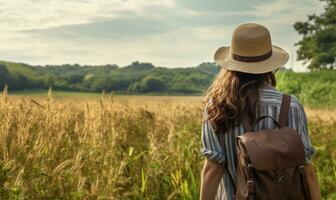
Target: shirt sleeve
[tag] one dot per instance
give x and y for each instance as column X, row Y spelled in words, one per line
column 302, row 129
column 211, row 149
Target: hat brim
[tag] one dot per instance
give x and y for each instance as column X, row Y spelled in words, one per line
column 278, row 59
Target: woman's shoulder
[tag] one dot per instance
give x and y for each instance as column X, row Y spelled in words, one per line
column 271, row 96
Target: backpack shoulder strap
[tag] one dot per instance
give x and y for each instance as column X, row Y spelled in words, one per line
column 283, row 116
column 246, row 123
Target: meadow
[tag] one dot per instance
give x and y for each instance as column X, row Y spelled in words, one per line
column 119, row 147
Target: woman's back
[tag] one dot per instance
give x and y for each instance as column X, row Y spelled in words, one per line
column 220, row 148
column 244, row 90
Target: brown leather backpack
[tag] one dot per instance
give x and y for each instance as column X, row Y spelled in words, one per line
column 271, row 161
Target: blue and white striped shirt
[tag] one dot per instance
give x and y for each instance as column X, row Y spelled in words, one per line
column 220, row 148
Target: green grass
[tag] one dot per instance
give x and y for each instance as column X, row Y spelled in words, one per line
column 55, row 93
column 87, row 96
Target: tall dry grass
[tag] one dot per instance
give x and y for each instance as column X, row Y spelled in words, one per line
column 111, row 149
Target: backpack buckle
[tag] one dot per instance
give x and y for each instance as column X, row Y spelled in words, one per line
column 250, row 186
column 250, row 180
column 302, row 170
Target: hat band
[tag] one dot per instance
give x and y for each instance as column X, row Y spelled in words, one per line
column 252, row 58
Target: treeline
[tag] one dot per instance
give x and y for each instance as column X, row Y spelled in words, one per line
column 135, row 78
column 315, row 88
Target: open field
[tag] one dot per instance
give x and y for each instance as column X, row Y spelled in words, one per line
column 88, row 96
column 56, row 94
column 111, row 147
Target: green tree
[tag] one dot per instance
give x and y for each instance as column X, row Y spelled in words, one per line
column 154, row 84
column 49, row 81
column 75, row 78
column 318, row 45
column 149, row 84
column 4, row 75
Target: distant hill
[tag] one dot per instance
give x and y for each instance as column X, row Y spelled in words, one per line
column 135, row 78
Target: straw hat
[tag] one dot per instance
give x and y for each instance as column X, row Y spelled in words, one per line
column 251, row 51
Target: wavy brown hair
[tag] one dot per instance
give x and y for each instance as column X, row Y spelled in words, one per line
column 231, row 94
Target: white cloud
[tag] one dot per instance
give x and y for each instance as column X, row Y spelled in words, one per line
column 41, row 14
column 271, row 8
column 175, row 48
column 280, row 8
column 187, row 37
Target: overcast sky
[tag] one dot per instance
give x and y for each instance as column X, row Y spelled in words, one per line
column 169, row 33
